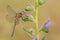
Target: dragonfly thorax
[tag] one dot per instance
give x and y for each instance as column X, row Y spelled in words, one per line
column 18, row 15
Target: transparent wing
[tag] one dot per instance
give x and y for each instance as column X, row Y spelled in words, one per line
column 11, row 14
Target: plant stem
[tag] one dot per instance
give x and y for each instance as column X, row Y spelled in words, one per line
column 36, row 20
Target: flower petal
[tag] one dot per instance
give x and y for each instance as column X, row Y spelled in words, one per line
column 34, row 38
column 27, row 14
column 47, row 24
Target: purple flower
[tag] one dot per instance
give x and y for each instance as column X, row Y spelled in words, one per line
column 34, row 38
column 27, row 14
column 47, row 24
column 30, row 5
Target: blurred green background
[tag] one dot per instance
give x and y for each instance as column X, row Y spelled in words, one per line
column 51, row 9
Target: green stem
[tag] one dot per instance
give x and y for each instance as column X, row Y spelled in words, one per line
column 36, row 20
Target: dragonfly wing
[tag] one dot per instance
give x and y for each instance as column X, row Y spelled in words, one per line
column 10, row 18
column 11, row 14
column 11, row 11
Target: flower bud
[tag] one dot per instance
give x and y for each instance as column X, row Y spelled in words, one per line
column 46, row 26
column 29, row 7
column 34, row 38
column 27, row 14
column 46, row 30
column 28, row 17
column 44, row 38
column 41, row 2
column 31, row 18
column 27, row 30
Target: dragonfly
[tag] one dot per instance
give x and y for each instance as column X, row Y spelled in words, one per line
column 13, row 17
